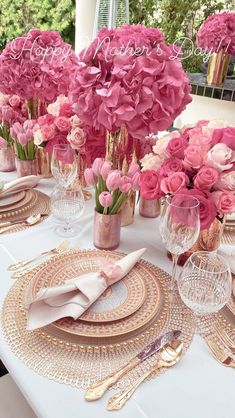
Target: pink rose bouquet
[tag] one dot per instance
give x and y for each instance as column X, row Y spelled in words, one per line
column 38, row 65
column 12, row 109
column 23, row 138
column 127, row 77
column 218, row 32
column 111, row 186
column 198, row 160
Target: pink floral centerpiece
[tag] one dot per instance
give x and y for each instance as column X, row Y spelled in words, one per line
column 199, row 161
column 127, row 77
column 218, row 32
column 111, row 192
column 22, row 133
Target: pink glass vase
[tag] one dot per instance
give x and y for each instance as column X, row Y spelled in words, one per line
column 106, row 232
column 26, row 167
column 7, row 159
column 149, row 208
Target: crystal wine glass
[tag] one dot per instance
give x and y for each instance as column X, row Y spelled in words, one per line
column 63, row 164
column 179, row 226
column 67, row 206
column 205, row 283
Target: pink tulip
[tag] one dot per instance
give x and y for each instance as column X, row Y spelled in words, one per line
column 97, row 165
column 105, row 199
column 90, row 177
column 113, row 180
column 133, row 169
column 106, row 169
column 126, row 184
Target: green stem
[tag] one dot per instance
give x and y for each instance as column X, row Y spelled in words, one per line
column 118, row 204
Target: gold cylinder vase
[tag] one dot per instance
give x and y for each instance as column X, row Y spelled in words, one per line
column 149, row 208
column 116, row 147
column 44, row 163
column 217, row 68
column 128, row 210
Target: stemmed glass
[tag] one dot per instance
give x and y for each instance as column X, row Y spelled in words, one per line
column 67, row 206
column 179, row 226
column 63, row 164
column 205, row 283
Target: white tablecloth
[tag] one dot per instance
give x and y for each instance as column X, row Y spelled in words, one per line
column 198, row 387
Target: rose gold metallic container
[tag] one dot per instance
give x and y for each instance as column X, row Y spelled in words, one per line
column 7, row 159
column 26, row 167
column 44, row 163
column 217, row 68
column 128, row 210
column 149, row 208
column 106, row 231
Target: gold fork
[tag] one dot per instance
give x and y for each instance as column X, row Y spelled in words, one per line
column 61, row 247
column 170, row 354
column 220, row 355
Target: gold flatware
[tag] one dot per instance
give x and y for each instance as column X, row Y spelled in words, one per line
column 97, row 390
column 169, row 356
column 224, row 338
column 60, row 248
column 31, row 220
column 219, row 354
column 19, row 220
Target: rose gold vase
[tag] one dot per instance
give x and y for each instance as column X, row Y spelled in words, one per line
column 44, row 163
column 209, row 240
column 217, row 68
column 106, row 232
column 26, row 167
column 7, row 159
column 128, row 210
column 149, row 208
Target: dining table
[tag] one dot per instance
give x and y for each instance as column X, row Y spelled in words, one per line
column 198, row 386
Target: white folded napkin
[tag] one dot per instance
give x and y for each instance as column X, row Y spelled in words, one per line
column 22, row 183
column 76, row 295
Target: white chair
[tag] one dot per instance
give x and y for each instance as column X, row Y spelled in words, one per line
column 12, row 402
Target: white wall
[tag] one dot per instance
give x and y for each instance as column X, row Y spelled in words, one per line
column 206, row 108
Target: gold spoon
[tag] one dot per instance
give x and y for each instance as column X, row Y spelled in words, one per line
column 170, row 354
column 31, row 220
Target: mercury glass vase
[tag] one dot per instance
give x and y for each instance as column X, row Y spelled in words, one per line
column 7, row 159
column 128, row 210
column 44, row 163
column 26, row 167
column 149, row 208
column 217, row 68
column 106, row 231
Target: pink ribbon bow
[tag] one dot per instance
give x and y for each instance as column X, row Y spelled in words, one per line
column 111, row 272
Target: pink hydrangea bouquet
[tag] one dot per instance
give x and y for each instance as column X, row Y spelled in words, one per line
column 111, row 186
column 218, row 32
column 127, row 77
column 12, row 109
column 23, row 139
column 198, row 160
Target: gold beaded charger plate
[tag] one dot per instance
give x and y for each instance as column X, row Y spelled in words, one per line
column 39, row 203
column 61, row 357
column 8, row 200
column 117, row 302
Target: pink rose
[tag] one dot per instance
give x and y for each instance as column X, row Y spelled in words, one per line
column 66, row 110
column 150, row 182
column 48, row 131
column 97, row 165
column 77, row 138
column 177, row 146
column 206, row 178
column 201, row 140
column 90, row 177
column 105, row 199
column 174, row 183
column 220, row 157
column 225, row 202
column 133, row 169
column 171, row 165
column 207, row 208
column 14, row 101
column 226, row 181
column 194, row 156
column 125, row 184
column 63, row 124
column 106, row 169
column 114, row 180
column 225, row 136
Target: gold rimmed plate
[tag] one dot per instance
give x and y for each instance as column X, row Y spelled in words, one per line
column 9, row 200
column 28, row 201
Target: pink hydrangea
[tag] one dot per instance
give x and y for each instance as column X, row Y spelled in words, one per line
column 218, row 32
column 123, row 79
column 38, row 65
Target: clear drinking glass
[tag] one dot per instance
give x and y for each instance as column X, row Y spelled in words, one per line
column 67, row 207
column 205, row 283
column 63, row 164
column 179, row 226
